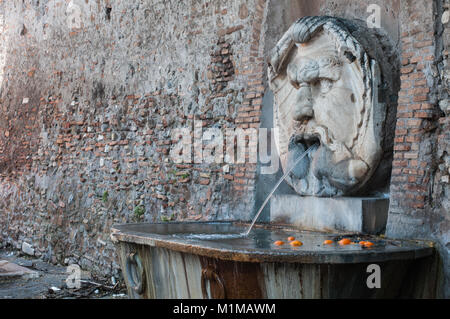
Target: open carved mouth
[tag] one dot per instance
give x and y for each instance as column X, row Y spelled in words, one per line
column 306, row 140
column 298, row 144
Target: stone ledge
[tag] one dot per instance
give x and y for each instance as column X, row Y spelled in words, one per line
column 366, row 215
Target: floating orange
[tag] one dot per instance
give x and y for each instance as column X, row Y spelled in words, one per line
column 296, row 243
column 279, row 243
column 368, row 244
column 327, row 242
column 291, row 238
column 345, row 241
column 362, row 242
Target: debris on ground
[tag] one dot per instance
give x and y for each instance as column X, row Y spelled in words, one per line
column 26, row 277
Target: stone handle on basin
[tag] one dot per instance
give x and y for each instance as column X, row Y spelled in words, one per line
column 135, row 273
column 210, row 274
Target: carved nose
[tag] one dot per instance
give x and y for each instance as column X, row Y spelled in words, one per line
column 303, row 108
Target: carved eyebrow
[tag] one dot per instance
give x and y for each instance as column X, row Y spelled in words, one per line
column 310, row 70
column 330, row 68
column 329, row 61
column 330, row 73
column 306, row 71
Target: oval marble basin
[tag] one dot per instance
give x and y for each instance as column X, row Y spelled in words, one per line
column 179, row 260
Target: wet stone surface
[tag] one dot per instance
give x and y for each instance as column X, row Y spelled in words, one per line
column 259, row 245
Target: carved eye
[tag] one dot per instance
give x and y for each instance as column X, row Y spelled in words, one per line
column 295, row 84
column 325, row 85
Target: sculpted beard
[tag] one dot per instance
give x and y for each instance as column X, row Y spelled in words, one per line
column 331, row 164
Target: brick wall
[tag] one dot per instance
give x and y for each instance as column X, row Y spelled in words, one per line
column 88, row 110
column 416, row 114
column 419, row 189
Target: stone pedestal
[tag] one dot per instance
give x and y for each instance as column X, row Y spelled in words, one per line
column 366, row 215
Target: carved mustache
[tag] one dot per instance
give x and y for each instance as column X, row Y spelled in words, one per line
column 305, row 123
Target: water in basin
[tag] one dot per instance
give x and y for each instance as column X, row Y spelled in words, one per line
column 219, row 236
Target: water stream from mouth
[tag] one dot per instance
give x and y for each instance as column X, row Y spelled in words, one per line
column 298, row 160
column 249, row 229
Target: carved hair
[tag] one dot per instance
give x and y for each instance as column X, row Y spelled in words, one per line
column 304, row 29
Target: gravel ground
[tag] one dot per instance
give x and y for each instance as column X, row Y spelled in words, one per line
column 51, row 283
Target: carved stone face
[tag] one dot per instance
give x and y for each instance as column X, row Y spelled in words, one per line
column 324, row 95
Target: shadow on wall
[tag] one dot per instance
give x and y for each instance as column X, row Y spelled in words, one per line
column 266, row 182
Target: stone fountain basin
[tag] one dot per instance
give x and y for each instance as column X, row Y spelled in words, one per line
column 160, row 261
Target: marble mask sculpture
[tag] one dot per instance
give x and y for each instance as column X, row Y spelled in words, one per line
column 325, row 88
